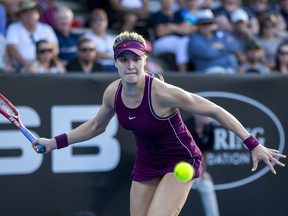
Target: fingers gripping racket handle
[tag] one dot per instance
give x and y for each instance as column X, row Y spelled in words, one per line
column 38, row 148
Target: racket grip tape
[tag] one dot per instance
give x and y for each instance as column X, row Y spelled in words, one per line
column 38, row 148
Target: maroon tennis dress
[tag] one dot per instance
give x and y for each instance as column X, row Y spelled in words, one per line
column 161, row 142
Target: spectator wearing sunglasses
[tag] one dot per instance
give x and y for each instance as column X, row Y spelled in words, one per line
column 46, row 60
column 23, row 34
column 281, row 59
column 85, row 60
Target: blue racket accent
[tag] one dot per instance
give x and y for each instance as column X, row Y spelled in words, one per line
column 38, row 148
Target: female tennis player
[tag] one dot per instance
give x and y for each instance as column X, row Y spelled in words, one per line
column 150, row 108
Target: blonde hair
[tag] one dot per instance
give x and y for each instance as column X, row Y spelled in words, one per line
column 124, row 36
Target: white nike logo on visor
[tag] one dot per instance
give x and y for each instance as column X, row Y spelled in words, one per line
column 131, row 117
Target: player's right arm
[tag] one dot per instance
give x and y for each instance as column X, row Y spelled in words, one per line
column 90, row 128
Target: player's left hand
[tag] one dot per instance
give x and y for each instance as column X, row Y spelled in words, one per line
column 268, row 156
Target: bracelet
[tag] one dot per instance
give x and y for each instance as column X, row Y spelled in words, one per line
column 251, row 142
column 61, row 141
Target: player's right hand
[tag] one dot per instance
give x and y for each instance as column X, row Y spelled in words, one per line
column 50, row 144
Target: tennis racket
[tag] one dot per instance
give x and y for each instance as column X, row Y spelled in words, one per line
column 8, row 110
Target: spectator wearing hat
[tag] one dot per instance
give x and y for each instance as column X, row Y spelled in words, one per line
column 255, row 59
column 211, row 50
column 23, row 34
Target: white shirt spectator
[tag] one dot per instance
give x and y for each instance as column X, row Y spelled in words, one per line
column 18, row 35
column 104, row 45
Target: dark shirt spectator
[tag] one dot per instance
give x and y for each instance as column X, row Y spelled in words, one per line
column 85, row 58
column 224, row 12
column 66, row 38
column 169, row 28
column 255, row 59
column 129, row 13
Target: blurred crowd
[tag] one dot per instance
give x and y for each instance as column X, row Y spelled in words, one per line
column 183, row 36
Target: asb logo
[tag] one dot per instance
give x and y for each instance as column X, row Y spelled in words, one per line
column 231, row 163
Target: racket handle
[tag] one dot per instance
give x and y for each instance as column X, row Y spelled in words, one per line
column 38, row 148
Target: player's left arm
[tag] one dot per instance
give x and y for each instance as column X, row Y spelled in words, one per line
column 176, row 97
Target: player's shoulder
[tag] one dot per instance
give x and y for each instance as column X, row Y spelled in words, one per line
column 112, row 87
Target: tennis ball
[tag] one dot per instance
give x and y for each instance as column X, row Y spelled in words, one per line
column 184, row 171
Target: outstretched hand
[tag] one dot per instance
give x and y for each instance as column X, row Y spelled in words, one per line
column 268, row 156
column 50, row 144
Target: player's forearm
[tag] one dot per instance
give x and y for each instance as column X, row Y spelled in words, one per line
column 230, row 122
column 84, row 132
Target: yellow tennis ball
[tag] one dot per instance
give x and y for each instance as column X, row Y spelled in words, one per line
column 184, row 171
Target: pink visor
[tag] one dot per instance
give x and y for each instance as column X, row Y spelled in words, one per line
column 130, row 45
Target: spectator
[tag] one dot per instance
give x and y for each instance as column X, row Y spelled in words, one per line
column 47, row 10
column 46, row 59
column 269, row 38
column 2, row 19
column 22, row 35
column 153, row 65
column 281, row 58
column 203, row 4
column 283, row 10
column 103, row 40
column 129, row 13
column 211, row 50
column 169, row 28
column 5, row 64
column 224, row 11
column 66, row 38
column 241, row 32
column 259, row 7
column 85, row 58
column 190, row 11
column 255, row 59
column 11, row 7
column 202, row 130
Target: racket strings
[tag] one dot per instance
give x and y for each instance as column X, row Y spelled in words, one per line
column 6, row 107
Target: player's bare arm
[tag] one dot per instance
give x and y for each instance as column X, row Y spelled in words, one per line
column 176, row 97
column 98, row 124
column 90, row 128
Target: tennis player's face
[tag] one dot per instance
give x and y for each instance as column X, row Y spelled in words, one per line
column 130, row 66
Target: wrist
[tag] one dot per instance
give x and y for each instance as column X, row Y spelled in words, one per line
column 251, row 142
column 61, row 141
